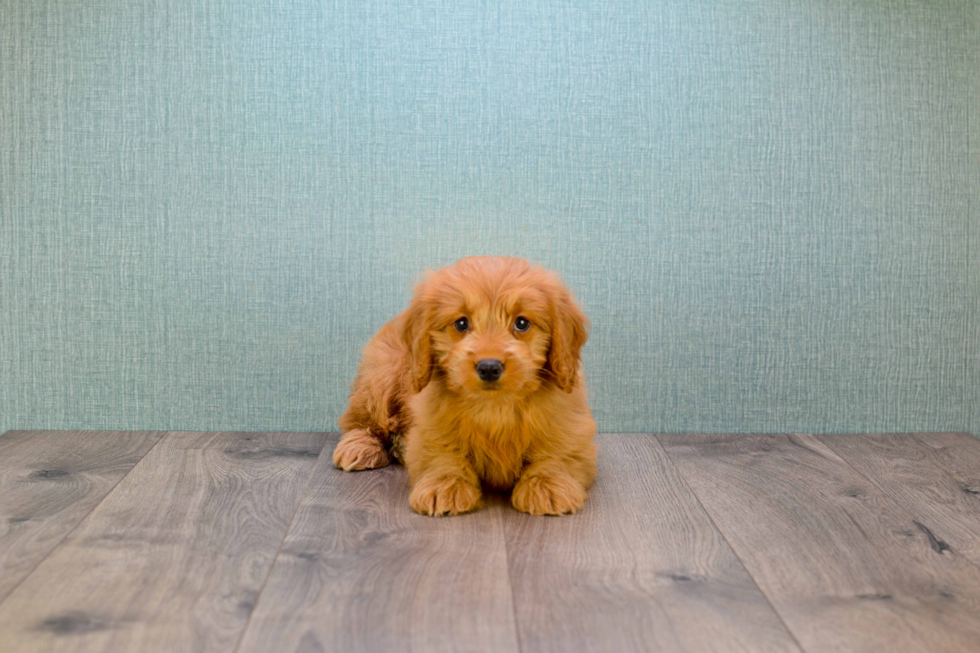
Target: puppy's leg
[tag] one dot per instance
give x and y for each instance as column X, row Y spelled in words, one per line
column 374, row 412
column 437, row 496
column 552, row 486
column 359, row 450
column 443, row 483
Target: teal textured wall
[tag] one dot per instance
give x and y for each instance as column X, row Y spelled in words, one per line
column 768, row 208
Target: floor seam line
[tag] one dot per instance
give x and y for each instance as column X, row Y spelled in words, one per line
column 275, row 558
column 888, row 495
column 87, row 515
column 731, row 548
column 510, row 584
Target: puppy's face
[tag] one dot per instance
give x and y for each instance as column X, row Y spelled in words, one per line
column 496, row 328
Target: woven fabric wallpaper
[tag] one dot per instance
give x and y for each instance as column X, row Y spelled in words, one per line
column 768, row 208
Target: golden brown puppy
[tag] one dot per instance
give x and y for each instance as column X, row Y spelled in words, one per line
column 478, row 384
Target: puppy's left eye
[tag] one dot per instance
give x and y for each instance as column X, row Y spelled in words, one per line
column 522, row 324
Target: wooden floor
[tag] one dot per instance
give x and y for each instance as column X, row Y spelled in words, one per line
column 151, row 541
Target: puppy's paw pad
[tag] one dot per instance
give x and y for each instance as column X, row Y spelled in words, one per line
column 436, row 497
column 548, row 495
column 359, row 450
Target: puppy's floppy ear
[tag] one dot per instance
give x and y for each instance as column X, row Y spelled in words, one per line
column 569, row 331
column 415, row 335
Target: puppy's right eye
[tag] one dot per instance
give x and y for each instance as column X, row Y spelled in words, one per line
column 462, row 325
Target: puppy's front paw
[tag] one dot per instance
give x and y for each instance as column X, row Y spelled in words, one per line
column 359, row 450
column 540, row 494
column 447, row 495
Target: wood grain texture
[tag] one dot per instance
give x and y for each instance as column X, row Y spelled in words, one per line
column 958, row 454
column 49, row 482
column 913, row 474
column 846, row 567
column 174, row 558
column 360, row 572
column 641, row 568
column 859, row 543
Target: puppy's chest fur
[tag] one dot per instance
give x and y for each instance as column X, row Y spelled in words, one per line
column 496, row 450
column 493, row 437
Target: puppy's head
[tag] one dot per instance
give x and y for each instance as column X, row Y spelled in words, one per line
column 494, row 327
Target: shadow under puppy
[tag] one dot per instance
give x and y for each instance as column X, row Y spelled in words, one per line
column 478, row 384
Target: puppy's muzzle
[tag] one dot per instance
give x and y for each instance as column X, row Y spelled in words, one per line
column 489, row 369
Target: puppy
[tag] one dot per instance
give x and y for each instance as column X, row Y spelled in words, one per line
column 478, row 385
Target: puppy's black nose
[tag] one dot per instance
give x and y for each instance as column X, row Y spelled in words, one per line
column 489, row 369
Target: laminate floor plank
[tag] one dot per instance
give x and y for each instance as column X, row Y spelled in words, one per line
column 845, row 565
column 174, row 557
column 254, row 542
column 49, row 482
column 958, row 454
column 359, row 571
column 640, row 568
column 913, row 474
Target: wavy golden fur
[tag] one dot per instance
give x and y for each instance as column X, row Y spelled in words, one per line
column 529, row 431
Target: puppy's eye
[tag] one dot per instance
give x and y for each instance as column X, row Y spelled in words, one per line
column 522, row 324
column 462, row 325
